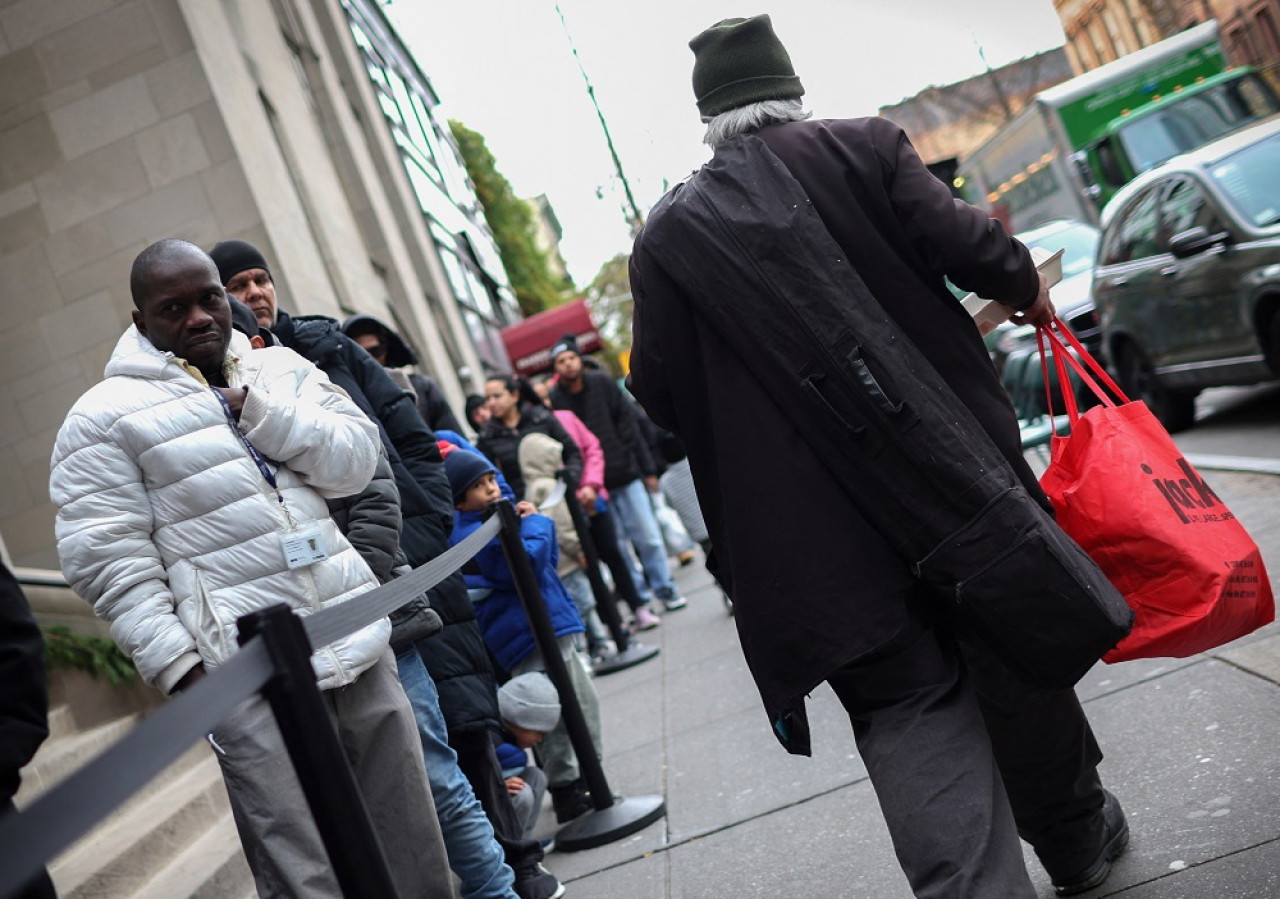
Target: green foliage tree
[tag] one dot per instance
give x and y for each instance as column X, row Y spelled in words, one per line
column 97, row 655
column 512, row 224
column 609, row 299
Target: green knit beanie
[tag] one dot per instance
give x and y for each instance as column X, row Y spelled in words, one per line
column 741, row 61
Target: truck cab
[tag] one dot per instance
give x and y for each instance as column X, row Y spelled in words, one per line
column 1138, row 140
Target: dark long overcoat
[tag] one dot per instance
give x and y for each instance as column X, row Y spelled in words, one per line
column 815, row 585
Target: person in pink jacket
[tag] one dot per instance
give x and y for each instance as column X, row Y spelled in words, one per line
column 594, row 500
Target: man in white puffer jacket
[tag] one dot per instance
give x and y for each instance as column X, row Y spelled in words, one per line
column 191, row 487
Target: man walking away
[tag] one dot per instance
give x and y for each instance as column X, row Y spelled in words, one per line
column 964, row 757
column 598, row 401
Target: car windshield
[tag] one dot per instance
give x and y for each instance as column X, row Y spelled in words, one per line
column 1250, row 178
column 1078, row 243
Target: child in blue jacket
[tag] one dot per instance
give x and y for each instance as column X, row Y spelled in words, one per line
column 506, row 630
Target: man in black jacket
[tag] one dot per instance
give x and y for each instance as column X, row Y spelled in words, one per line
column 392, row 352
column 24, row 704
column 963, row 757
column 598, row 401
column 456, row 659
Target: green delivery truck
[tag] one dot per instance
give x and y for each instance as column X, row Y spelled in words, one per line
column 1075, row 144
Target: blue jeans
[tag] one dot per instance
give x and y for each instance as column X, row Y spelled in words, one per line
column 634, row 514
column 474, row 854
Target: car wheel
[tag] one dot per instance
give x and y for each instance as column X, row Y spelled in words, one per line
column 1175, row 409
column 1273, row 345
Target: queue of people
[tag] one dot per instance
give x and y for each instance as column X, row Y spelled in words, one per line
column 235, row 457
column 226, row 435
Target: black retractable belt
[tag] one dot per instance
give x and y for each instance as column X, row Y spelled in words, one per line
column 614, row 817
column 30, row 838
column 630, row 651
column 316, row 751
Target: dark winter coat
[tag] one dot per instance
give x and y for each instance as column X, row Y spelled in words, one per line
column 898, row 228
column 370, row 520
column 428, row 397
column 607, row 414
column 24, row 702
column 432, row 404
column 456, row 658
column 502, row 444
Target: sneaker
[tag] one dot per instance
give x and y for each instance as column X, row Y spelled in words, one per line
column 539, row 884
column 675, row 601
column 603, row 651
column 645, row 620
column 686, row 558
column 1115, row 842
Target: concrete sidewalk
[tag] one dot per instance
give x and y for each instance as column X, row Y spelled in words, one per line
column 1191, row 751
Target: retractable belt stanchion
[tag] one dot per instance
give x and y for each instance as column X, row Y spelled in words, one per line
column 630, row 650
column 614, row 817
column 336, row 804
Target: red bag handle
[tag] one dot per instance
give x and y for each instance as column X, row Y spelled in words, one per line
column 1085, row 366
column 1068, row 396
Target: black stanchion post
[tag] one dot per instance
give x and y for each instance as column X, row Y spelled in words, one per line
column 614, row 817
column 309, row 736
column 630, row 651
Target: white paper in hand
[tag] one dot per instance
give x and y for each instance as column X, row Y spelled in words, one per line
column 986, row 314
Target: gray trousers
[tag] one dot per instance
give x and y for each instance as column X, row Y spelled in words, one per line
column 528, row 802
column 380, row 738
column 556, row 754
column 964, row 759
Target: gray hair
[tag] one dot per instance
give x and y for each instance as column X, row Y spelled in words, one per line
column 751, row 117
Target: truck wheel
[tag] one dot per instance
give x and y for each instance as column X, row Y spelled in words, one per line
column 1175, row 409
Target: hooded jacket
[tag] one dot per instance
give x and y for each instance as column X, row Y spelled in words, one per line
column 169, row 528
column 539, row 462
column 428, row 398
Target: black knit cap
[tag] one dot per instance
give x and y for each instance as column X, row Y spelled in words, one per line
column 235, row 256
column 741, row 61
column 566, row 344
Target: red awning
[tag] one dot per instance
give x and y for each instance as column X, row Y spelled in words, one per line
column 529, row 342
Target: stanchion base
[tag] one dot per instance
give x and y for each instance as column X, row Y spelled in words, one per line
column 623, row 818
column 634, row 654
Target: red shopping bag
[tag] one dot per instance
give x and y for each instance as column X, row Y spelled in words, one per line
column 1125, row 493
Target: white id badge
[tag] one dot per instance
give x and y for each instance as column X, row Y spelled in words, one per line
column 303, row 546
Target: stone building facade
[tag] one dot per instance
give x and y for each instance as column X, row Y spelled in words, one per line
column 1099, row 31
column 945, row 123
column 304, row 126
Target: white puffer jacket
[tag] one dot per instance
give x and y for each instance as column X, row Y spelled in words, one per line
column 167, row 526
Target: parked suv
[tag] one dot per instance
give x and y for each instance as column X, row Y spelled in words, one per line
column 1187, row 281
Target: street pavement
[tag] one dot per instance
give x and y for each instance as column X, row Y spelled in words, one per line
column 1191, row 752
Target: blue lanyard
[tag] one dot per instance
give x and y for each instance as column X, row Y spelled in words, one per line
column 257, row 457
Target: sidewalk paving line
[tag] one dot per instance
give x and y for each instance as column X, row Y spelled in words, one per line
column 1234, row 463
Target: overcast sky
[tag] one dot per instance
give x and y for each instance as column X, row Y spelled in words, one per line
column 505, row 69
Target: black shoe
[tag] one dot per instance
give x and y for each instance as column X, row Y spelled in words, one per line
column 571, row 801
column 1115, row 842
column 539, row 884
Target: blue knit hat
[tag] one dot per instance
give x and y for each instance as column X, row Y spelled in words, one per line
column 464, row 468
